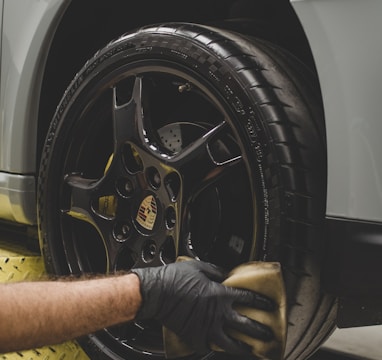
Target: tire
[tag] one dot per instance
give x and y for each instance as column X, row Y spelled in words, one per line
column 222, row 136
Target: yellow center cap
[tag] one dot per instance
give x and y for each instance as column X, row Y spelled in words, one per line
column 147, row 212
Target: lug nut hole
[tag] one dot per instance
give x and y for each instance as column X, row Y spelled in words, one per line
column 125, row 187
column 170, row 217
column 154, row 178
column 168, row 253
column 122, row 231
column 149, row 251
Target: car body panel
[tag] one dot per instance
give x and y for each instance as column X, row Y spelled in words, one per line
column 1, row 21
column 345, row 39
column 27, row 30
column 17, row 198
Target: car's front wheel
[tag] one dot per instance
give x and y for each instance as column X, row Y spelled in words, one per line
column 182, row 139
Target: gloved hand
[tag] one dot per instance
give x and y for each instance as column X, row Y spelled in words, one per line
column 187, row 298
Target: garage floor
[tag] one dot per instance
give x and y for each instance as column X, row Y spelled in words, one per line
column 356, row 343
column 345, row 344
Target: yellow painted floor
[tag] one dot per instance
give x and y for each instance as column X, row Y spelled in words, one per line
column 17, row 263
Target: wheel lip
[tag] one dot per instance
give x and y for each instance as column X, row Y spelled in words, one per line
column 181, row 72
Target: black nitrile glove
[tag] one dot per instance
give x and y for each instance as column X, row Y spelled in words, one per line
column 188, row 299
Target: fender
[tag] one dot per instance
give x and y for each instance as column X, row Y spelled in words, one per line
column 347, row 60
column 25, row 45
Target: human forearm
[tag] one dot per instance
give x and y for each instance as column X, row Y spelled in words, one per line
column 43, row 313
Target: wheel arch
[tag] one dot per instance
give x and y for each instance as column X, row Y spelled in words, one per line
column 87, row 32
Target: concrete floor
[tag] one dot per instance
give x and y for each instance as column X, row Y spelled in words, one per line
column 363, row 343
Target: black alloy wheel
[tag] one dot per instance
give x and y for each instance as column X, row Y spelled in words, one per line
column 187, row 140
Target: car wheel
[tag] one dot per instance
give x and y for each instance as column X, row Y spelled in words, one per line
column 182, row 139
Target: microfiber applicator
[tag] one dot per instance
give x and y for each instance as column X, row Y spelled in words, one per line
column 266, row 279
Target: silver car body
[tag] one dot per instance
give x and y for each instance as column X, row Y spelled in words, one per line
column 27, row 25
column 345, row 39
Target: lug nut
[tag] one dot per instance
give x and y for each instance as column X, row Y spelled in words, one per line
column 154, row 178
column 170, row 217
column 122, row 231
column 149, row 251
column 125, row 187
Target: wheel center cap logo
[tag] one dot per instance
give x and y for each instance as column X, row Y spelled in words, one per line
column 147, row 212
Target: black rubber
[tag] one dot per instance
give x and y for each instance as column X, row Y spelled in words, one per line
column 275, row 110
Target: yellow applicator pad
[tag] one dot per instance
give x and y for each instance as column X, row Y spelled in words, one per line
column 266, row 279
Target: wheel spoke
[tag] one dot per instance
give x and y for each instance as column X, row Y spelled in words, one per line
column 131, row 121
column 112, row 247
column 198, row 166
column 198, row 169
column 198, row 149
column 83, row 193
